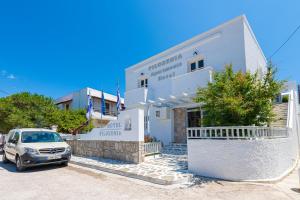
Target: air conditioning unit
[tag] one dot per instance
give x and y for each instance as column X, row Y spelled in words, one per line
column 162, row 113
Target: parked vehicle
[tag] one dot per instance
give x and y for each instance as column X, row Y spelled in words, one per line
column 2, row 142
column 31, row 147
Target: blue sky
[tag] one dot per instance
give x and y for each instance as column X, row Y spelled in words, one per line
column 55, row 47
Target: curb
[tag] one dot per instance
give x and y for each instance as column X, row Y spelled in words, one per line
column 133, row 175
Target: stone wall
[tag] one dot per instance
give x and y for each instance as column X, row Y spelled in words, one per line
column 180, row 125
column 118, row 150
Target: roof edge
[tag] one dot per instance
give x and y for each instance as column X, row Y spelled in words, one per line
column 185, row 43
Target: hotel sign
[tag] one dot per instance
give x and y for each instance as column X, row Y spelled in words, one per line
column 112, row 129
column 165, row 68
column 115, row 128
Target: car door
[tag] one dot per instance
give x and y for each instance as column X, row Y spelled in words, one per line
column 13, row 146
column 8, row 146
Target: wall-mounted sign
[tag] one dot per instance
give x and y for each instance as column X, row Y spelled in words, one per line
column 165, row 68
column 112, row 129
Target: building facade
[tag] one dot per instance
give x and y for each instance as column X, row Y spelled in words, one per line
column 79, row 100
column 164, row 85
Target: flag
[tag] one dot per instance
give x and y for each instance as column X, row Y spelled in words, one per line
column 119, row 106
column 90, row 109
column 102, row 104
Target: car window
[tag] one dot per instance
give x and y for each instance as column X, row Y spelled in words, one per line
column 40, row 136
column 10, row 136
column 16, row 136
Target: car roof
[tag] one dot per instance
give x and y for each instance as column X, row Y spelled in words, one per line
column 33, row 129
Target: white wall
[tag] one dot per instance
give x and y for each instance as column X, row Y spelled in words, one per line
column 241, row 160
column 255, row 59
column 161, row 128
column 115, row 129
column 80, row 99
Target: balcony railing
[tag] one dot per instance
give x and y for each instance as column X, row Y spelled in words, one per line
column 237, row 132
column 109, row 113
column 186, row 83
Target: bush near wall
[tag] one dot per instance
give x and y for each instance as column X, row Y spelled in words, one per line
column 237, row 98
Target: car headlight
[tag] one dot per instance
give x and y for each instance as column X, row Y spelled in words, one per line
column 31, row 151
column 68, row 149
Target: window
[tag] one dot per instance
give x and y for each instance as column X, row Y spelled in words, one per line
column 11, row 135
column 157, row 114
column 107, row 108
column 143, row 83
column 200, row 64
column 196, row 64
column 40, row 136
column 146, row 120
column 14, row 138
column 193, row 66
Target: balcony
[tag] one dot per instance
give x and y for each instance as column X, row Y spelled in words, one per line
column 189, row 83
column 181, row 86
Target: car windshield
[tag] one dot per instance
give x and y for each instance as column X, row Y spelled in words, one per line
column 40, row 136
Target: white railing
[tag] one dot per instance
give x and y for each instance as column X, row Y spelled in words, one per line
column 152, row 148
column 237, row 132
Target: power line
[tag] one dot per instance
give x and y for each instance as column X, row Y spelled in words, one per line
column 291, row 35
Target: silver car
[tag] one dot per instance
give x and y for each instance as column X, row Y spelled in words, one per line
column 31, row 147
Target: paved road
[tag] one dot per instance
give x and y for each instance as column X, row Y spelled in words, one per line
column 55, row 183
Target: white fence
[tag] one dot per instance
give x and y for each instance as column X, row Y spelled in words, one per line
column 152, row 148
column 237, row 132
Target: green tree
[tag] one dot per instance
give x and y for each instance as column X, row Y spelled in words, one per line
column 25, row 110
column 70, row 120
column 237, row 98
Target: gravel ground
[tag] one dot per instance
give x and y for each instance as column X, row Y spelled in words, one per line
column 73, row 182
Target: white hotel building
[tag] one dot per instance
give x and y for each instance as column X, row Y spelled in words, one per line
column 165, row 84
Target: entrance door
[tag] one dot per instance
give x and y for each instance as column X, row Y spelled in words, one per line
column 180, row 125
column 194, row 118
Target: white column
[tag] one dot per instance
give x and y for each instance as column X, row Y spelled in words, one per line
column 148, row 118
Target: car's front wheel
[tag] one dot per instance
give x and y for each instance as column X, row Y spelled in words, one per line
column 65, row 163
column 4, row 159
column 19, row 164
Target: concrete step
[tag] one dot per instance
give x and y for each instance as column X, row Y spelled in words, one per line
column 281, row 114
column 175, row 149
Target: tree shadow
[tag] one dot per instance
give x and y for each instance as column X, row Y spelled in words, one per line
column 201, row 181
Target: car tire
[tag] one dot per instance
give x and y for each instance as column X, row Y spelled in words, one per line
column 4, row 159
column 65, row 164
column 19, row 164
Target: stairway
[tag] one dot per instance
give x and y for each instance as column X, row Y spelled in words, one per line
column 175, row 149
column 281, row 111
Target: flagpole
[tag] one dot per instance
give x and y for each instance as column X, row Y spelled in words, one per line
column 119, row 103
column 117, row 99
